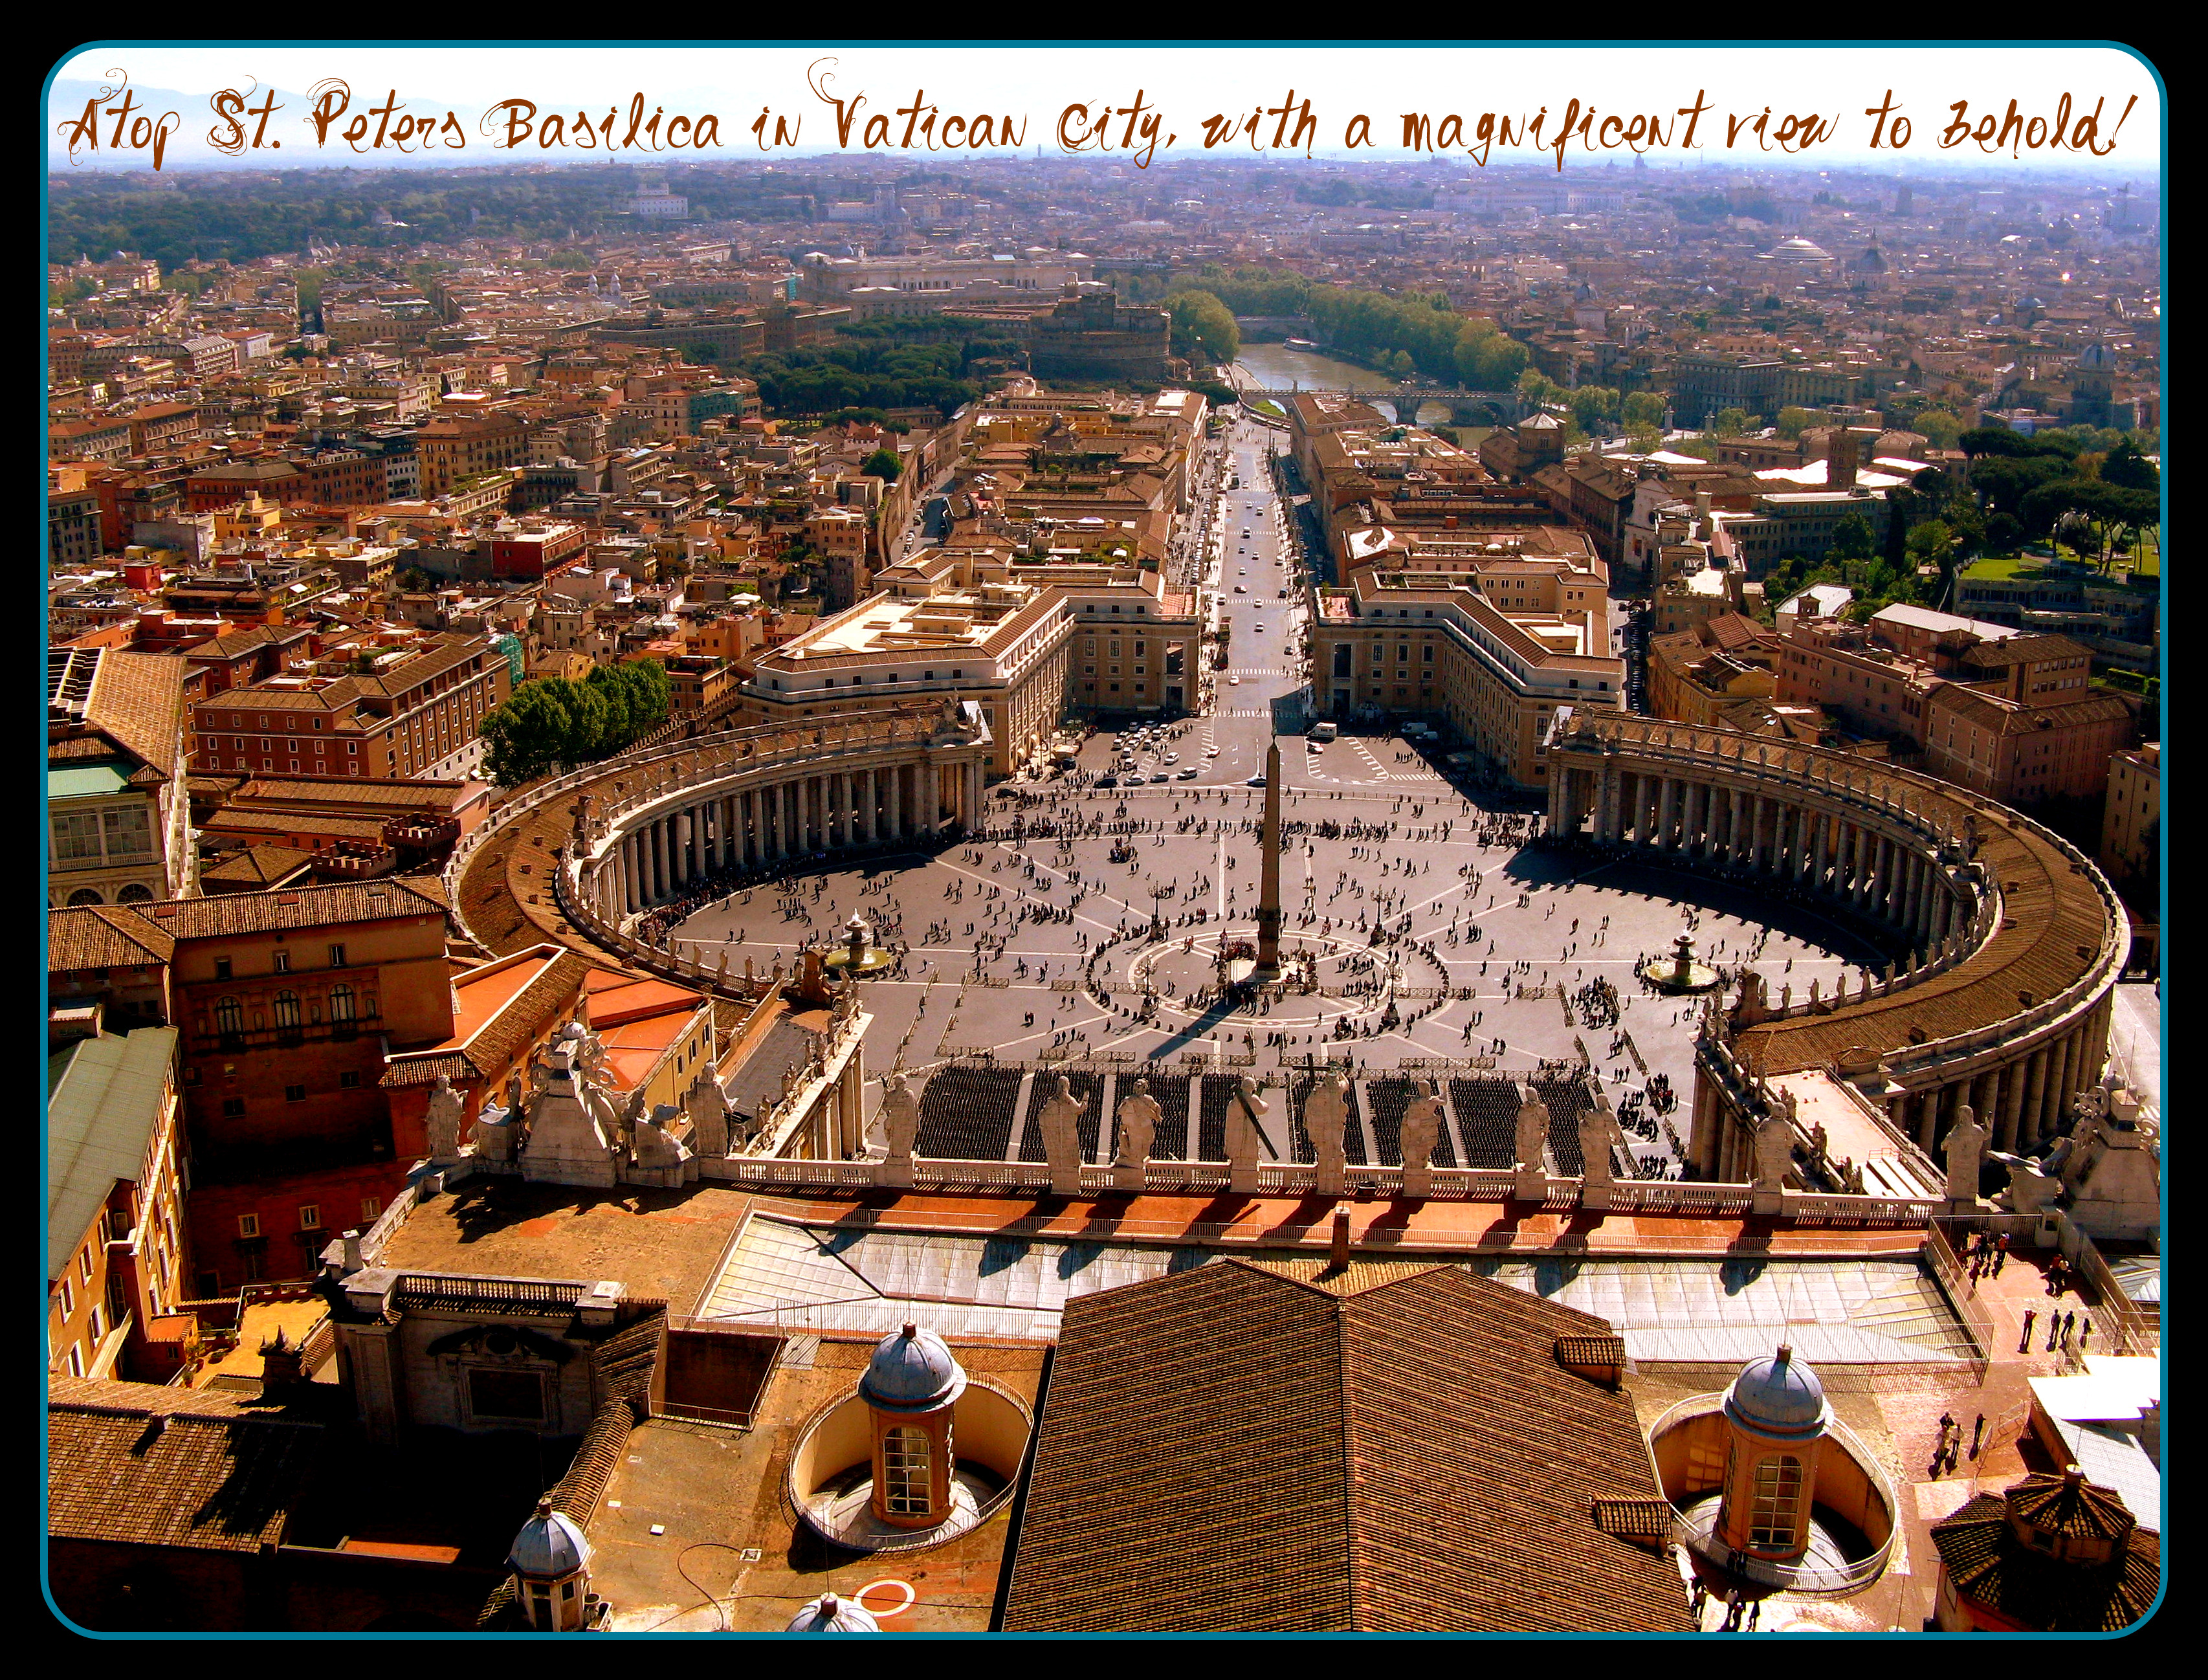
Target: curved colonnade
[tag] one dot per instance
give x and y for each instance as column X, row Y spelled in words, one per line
column 647, row 827
column 2015, row 940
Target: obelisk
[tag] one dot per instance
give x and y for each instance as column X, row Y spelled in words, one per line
column 1269, row 883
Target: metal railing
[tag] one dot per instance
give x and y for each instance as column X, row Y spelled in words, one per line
column 1696, row 1514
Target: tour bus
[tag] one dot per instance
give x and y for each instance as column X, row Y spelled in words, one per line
column 1323, row 732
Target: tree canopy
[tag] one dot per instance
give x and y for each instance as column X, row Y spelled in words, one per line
column 1202, row 322
column 550, row 724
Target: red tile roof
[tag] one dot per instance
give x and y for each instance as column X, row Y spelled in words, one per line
column 1231, row 1449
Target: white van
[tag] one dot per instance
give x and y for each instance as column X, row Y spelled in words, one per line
column 1323, row 731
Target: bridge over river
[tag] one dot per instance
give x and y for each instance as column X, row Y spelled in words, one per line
column 1469, row 408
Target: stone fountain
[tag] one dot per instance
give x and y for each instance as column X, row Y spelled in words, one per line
column 1678, row 972
column 860, row 956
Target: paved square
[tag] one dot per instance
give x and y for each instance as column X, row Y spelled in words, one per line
column 1423, row 922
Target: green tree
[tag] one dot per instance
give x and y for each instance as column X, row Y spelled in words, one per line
column 638, row 697
column 1851, row 538
column 2128, row 468
column 882, row 464
column 529, row 733
column 1593, row 407
column 1933, row 543
column 1992, row 441
column 1939, row 428
column 1793, row 422
column 1730, row 422
column 1643, row 408
column 1201, row 321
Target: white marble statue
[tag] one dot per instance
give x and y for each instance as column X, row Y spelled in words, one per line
column 1058, row 1121
column 1775, row 1152
column 1533, row 1139
column 442, row 1121
column 1597, row 1128
column 1139, row 1115
column 1966, row 1149
column 708, row 1108
column 1419, row 1134
column 900, row 1119
column 1244, row 1145
column 1326, row 1122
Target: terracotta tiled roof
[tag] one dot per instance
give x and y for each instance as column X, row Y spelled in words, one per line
column 2018, row 649
column 1999, row 715
column 234, row 913
column 96, row 936
column 1990, row 1566
column 137, row 701
column 351, row 791
column 258, row 866
column 147, row 1466
column 1229, row 1448
column 236, row 819
column 496, row 1043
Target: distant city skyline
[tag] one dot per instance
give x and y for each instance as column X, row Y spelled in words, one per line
column 1181, row 85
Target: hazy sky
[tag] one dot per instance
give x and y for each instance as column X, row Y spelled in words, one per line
column 1186, row 84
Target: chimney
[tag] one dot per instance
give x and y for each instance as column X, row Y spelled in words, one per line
column 282, row 1365
column 1337, row 1253
column 354, row 1259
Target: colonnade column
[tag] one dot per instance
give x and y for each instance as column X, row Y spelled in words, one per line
column 2066, row 1084
column 1927, row 1119
column 974, row 793
column 2035, row 1092
column 2015, row 1077
column 1667, row 806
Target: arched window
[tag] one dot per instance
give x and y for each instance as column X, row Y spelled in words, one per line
column 286, row 1009
column 905, row 1471
column 134, row 894
column 229, row 1017
column 341, row 1003
column 1772, row 1521
column 84, row 895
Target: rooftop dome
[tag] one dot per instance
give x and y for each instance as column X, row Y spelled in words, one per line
column 550, row 1543
column 912, row 1372
column 1779, row 1395
column 829, row 1614
column 1800, row 250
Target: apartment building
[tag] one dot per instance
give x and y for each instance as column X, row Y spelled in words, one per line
column 1438, row 646
column 454, row 448
column 1701, row 672
column 2131, row 823
column 115, row 1254
column 1001, row 644
column 118, row 820
column 411, row 710
column 288, row 1003
column 2011, row 716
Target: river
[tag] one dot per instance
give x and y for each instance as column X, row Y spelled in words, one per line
column 1279, row 367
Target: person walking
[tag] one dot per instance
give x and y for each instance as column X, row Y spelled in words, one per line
column 2054, row 1331
column 2025, row 1345
column 1977, row 1434
column 2000, row 1253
